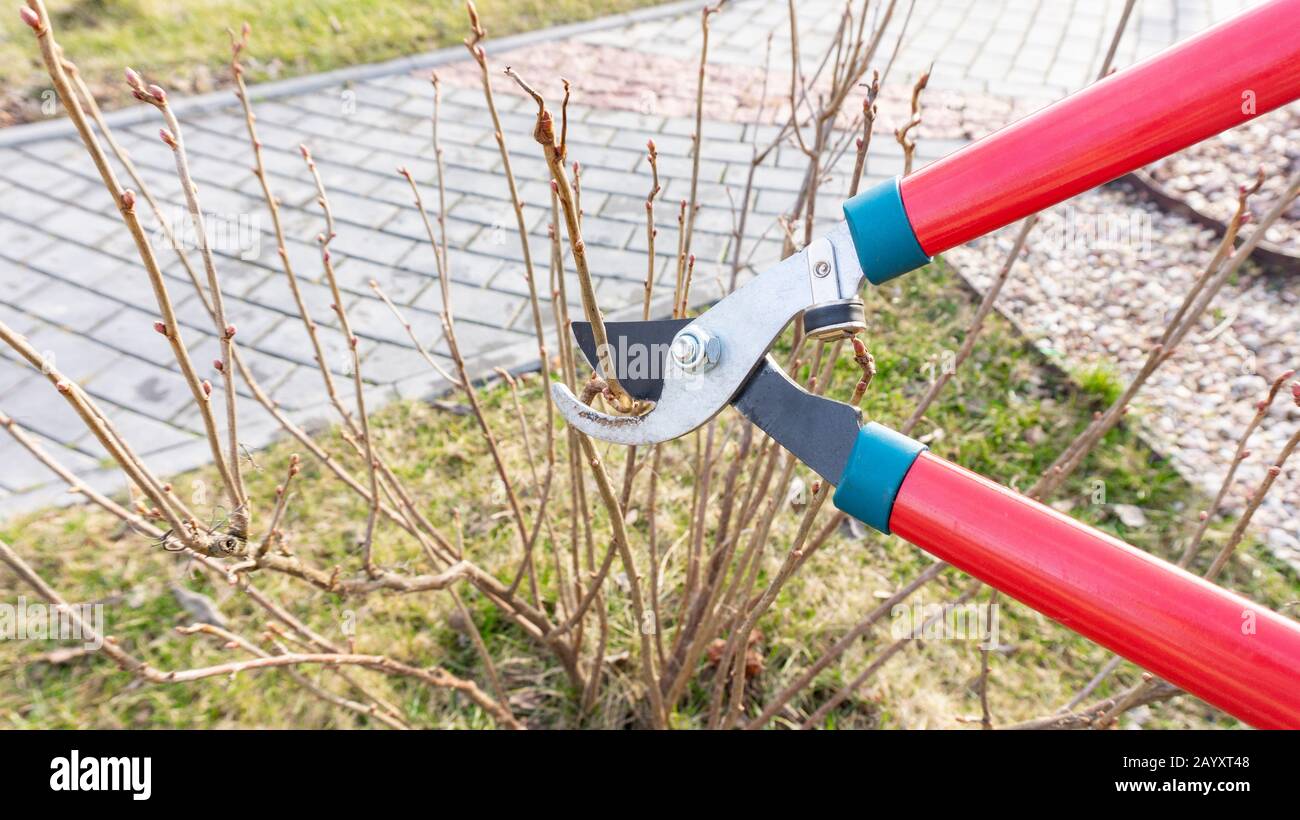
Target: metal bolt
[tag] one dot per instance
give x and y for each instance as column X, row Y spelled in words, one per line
column 696, row 350
column 822, row 269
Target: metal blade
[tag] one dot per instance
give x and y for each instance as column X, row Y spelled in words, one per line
column 639, row 352
column 745, row 322
column 819, row 431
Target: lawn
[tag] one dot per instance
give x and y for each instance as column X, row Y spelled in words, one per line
column 1007, row 414
column 184, row 42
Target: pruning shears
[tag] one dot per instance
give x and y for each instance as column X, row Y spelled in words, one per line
column 1211, row 642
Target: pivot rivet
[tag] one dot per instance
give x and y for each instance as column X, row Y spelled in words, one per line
column 696, row 350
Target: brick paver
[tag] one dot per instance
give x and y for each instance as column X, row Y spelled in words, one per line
column 70, row 279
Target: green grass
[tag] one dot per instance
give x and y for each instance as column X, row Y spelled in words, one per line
column 1100, row 380
column 182, row 44
column 1006, row 414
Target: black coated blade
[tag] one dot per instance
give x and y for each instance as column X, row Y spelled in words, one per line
column 639, row 352
column 819, row 431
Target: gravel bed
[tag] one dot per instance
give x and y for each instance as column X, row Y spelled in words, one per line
column 1090, row 293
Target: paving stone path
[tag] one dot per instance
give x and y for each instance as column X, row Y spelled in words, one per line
column 70, row 280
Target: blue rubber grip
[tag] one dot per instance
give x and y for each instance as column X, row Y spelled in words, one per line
column 882, row 233
column 877, row 466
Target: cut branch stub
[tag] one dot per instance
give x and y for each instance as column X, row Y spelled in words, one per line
column 544, row 133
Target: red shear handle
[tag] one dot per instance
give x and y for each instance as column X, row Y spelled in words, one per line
column 1219, row 646
column 1224, row 76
